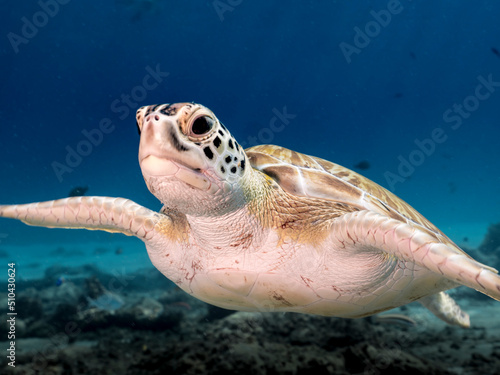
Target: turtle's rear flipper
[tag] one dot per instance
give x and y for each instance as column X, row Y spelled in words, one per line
column 117, row 215
column 445, row 308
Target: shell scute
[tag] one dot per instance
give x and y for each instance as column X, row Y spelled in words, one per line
column 318, row 178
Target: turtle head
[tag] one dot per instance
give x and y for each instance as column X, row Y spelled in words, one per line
column 189, row 160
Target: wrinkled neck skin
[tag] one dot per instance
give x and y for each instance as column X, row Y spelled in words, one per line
column 228, row 220
column 231, row 233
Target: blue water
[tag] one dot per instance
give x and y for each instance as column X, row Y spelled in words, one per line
column 412, row 88
column 350, row 95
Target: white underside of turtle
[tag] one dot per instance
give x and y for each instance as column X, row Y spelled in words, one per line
column 270, row 229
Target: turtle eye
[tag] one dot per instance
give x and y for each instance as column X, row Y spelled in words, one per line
column 202, row 125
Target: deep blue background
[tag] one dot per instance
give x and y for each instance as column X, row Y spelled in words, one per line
column 258, row 56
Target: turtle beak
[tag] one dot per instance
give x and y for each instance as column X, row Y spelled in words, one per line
column 140, row 114
column 164, row 151
column 160, row 136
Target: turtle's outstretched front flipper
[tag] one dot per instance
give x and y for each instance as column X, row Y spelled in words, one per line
column 445, row 308
column 117, row 215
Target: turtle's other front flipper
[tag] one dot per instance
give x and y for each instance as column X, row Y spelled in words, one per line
column 419, row 246
column 116, row 215
column 446, row 309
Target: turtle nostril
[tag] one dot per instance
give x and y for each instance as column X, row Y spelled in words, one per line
column 157, row 118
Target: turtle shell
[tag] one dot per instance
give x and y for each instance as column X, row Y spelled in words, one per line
column 309, row 176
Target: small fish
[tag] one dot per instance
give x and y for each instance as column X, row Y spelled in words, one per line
column 395, row 319
column 412, row 55
column 495, row 51
column 60, row 281
column 363, row 165
column 78, row 191
column 398, row 95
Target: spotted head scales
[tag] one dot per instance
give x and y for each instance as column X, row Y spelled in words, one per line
column 189, row 160
column 270, row 229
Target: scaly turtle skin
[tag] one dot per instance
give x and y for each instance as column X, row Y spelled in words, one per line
column 270, row 229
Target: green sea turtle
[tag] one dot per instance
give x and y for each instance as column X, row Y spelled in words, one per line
column 269, row 229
